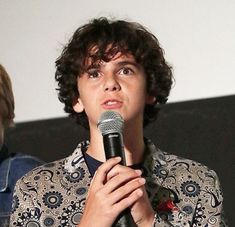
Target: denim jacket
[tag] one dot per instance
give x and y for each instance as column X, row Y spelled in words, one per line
column 12, row 167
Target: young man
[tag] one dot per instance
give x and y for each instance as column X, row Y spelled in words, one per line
column 12, row 166
column 119, row 66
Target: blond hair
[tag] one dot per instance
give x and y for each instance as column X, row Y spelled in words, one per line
column 7, row 105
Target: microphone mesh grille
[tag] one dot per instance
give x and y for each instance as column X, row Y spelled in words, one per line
column 110, row 122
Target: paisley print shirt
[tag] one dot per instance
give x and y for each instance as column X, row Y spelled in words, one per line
column 182, row 192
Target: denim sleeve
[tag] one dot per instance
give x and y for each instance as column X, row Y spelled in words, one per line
column 15, row 167
column 20, row 165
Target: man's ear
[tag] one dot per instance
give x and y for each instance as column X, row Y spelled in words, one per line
column 150, row 99
column 78, row 105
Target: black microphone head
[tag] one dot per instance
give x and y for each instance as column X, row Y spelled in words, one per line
column 110, row 122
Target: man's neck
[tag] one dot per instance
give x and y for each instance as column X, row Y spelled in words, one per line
column 134, row 147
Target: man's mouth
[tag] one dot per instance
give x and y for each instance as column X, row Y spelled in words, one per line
column 112, row 103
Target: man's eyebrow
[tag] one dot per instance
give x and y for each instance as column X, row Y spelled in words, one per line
column 133, row 63
column 93, row 66
column 119, row 64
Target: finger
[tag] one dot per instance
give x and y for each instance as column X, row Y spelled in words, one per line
column 128, row 201
column 101, row 173
column 120, row 169
column 121, row 179
column 126, row 190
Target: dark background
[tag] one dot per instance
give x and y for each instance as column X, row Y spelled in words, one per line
column 202, row 130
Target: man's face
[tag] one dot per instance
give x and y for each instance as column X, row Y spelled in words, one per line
column 118, row 85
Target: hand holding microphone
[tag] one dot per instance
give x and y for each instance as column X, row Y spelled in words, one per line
column 114, row 187
column 111, row 125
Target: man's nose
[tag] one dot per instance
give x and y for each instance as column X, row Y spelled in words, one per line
column 111, row 83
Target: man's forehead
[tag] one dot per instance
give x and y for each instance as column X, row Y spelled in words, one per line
column 98, row 60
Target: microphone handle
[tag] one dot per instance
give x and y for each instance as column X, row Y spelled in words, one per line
column 113, row 147
column 124, row 220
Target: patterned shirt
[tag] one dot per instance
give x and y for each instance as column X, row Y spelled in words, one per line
column 181, row 191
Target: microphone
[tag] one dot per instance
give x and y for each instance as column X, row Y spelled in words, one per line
column 111, row 125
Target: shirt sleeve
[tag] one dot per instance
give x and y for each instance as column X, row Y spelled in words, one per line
column 209, row 208
column 22, row 205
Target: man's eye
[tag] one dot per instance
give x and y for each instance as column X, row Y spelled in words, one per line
column 126, row 71
column 93, row 73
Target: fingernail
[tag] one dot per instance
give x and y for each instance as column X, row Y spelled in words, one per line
column 138, row 171
column 142, row 180
column 139, row 192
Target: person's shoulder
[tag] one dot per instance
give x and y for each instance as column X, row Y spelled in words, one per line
column 186, row 174
column 189, row 168
column 26, row 158
column 49, row 174
column 19, row 165
column 50, row 167
column 182, row 162
column 178, row 164
column 24, row 162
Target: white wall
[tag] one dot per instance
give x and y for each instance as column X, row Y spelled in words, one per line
column 198, row 38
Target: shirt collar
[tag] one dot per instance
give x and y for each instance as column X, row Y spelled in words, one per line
column 153, row 156
column 73, row 161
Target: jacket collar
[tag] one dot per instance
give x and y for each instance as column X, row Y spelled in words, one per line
column 73, row 161
column 5, row 163
column 3, row 152
column 156, row 168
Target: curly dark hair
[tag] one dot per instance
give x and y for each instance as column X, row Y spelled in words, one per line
column 124, row 37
